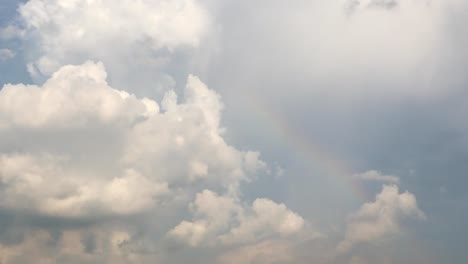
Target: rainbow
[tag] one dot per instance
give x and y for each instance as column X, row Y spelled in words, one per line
column 304, row 145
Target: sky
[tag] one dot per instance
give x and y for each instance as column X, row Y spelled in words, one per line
column 218, row 131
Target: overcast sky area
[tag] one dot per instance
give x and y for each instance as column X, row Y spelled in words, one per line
column 218, row 131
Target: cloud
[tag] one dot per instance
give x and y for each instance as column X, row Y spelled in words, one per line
column 385, row 4
column 92, row 150
column 97, row 161
column 6, row 54
column 221, row 219
column 27, row 182
column 75, row 96
column 357, row 260
column 380, row 218
column 373, row 175
column 266, row 252
column 103, row 169
column 361, row 85
column 10, row 32
column 131, row 38
column 101, row 245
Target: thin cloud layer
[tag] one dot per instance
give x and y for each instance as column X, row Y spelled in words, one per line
column 377, row 176
column 6, row 54
column 267, row 252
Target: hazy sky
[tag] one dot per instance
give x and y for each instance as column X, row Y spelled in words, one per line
column 204, row 131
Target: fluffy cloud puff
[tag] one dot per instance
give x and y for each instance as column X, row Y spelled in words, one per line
column 223, row 219
column 380, row 218
column 75, row 147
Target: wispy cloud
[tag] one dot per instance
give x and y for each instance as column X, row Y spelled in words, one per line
column 374, row 175
column 6, row 54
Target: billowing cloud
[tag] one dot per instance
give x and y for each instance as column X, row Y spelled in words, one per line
column 127, row 160
column 97, row 150
column 380, row 218
column 79, row 151
column 224, row 220
column 75, row 96
column 44, row 184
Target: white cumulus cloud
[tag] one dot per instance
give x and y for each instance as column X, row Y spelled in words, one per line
column 380, row 218
column 76, row 147
column 222, row 219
